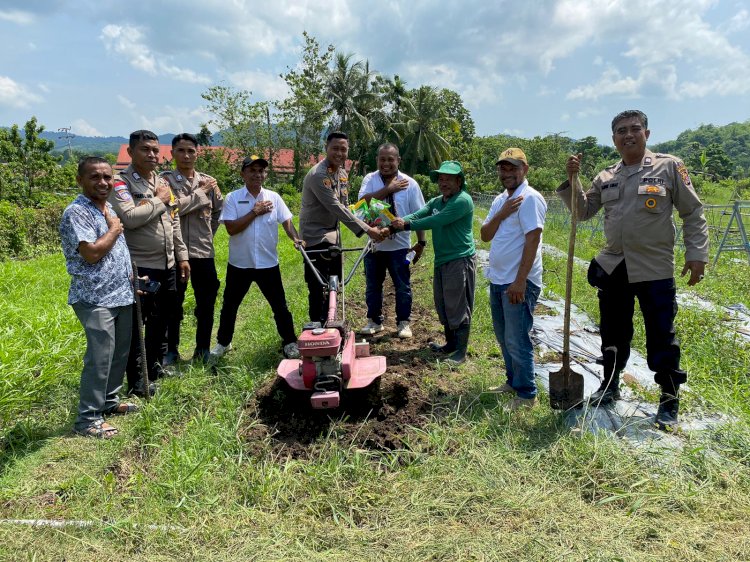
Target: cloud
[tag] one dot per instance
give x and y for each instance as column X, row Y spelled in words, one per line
column 125, row 101
column 129, row 42
column 81, row 127
column 171, row 119
column 13, row 94
column 739, row 22
column 17, row 16
column 266, row 85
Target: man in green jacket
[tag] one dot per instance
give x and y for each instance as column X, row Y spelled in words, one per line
column 450, row 216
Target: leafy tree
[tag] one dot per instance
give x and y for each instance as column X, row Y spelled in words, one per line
column 459, row 138
column 27, row 161
column 419, row 131
column 304, row 113
column 204, row 136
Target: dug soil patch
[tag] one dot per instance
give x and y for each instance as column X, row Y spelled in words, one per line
column 282, row 424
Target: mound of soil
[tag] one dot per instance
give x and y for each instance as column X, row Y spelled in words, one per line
column 283, row 424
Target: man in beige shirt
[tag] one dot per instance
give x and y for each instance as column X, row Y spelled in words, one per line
column 325, row 194
column 145, row 204
column 199, row 200
column 638, row 195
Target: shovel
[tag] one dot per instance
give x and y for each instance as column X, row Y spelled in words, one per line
column 565, row 385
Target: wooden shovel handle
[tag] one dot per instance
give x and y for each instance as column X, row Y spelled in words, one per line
column 569, row 274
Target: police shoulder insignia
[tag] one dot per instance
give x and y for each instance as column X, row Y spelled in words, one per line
column 121, row 191
column 683, row 171
column 326, row 182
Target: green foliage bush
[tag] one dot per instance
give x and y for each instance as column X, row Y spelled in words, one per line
column 26, row 232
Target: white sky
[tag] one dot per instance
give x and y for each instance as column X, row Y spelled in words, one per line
column 522, row 67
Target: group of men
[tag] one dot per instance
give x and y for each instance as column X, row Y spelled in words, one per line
column 166, row 222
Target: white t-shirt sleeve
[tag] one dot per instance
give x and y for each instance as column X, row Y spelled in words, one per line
column 532, row 213
column 369, row 185
column 417, row 197
column 229, row 209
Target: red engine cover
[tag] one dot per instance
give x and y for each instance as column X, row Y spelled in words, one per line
column 320, row 342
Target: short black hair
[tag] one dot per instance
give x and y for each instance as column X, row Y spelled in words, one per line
column 336, row 135
column 140, row 136
column 90, row 161
column 185, row 136
column 388, row 146
column 627, row 114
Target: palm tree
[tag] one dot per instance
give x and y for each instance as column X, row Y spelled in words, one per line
column 423, row 147
column 354, row 102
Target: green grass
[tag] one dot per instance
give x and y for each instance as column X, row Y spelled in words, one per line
column 473, row 483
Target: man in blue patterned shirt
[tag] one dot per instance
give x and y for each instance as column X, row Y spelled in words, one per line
column 101, row 294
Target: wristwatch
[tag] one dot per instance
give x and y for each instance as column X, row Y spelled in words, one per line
column 422, row 243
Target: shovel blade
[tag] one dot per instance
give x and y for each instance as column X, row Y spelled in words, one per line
column 565, row 389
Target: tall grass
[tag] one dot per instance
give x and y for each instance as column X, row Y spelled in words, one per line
column 472, row 483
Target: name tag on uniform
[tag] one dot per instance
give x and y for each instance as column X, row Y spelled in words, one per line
column 243, row 202
column 608, row 185
column 142, row 195
column 652, row 190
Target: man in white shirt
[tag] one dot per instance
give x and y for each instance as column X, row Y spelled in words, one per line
column 514, row 226
column 403, row 195
column 251, row 216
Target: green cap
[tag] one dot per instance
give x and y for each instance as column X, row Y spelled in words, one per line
column 449, row 167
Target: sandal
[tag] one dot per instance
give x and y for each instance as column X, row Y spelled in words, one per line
column 98, row 429
column 123, row 408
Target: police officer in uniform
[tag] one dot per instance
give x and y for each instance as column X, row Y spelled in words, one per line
column 325, row 193
column 146, row 206
column 199, row 200
column 638, row 195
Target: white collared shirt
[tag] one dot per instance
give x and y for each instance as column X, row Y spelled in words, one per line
column 407, row 201
column 255, row 247
column 506, row 247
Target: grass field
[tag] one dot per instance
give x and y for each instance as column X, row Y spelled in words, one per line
column 469, row 481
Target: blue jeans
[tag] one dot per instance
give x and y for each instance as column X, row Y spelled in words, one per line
column 376, row 264
column 512, row 324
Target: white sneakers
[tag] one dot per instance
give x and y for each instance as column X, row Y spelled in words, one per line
column 371, row 328
column 404, row 330
column 217, row 352
column 291, row 351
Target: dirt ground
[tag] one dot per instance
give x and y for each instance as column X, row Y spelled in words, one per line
column 282, row 424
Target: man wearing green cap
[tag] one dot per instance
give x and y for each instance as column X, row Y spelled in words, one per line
column 450, row 217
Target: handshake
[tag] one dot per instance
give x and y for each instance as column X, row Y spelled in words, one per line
column 378, row 234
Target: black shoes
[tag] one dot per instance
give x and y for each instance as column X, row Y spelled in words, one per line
column 450, row 342
column 461, row 338
column 608, row 392
column 140, row 391
column 666, row 415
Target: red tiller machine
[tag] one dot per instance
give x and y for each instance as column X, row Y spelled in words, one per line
column 332, row 361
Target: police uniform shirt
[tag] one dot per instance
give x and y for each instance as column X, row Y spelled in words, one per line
column 152, row 230
column 199, row 211
column 255, row 247
column 638, row 225
column 325, row 193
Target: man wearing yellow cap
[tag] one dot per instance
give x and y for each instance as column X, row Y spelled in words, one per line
column 514, row 229
column 450, row 217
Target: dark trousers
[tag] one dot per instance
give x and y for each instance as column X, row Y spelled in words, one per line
column 453, row 291
column 156, row 309
column 658, row 303
column 394, row 262
column 317, row 295
column 238, row 284
column 205, row 284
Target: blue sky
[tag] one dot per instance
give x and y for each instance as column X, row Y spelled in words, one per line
column 523, row 68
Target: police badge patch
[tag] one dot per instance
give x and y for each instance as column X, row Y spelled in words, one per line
column 121, row 191
column 683, row 171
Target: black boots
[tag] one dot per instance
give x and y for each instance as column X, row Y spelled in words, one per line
column 461, row 335
column 669, row 406
column 609, row 390
column 450, row 342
